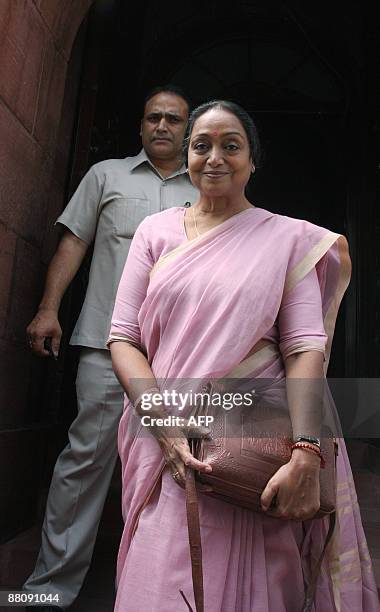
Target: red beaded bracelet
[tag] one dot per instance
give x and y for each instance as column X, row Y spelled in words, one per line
column 312, row 448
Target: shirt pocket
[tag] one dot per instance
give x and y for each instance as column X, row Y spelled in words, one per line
column 128, row 214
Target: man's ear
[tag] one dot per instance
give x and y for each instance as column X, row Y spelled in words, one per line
column 253, row 168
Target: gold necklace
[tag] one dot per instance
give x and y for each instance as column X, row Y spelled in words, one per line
column 195, row 222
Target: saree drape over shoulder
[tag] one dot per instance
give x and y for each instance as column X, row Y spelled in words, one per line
column 232, row 303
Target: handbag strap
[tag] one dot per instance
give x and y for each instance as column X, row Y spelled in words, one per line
column 194, row 541
column 196, row 550
column 312, row 586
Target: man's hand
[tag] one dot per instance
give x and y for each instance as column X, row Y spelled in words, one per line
column 61, row 272
column 44, row 325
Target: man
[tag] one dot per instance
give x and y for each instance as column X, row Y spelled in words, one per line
column 111, row 201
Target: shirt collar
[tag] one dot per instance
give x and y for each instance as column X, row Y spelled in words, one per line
column 142, row 158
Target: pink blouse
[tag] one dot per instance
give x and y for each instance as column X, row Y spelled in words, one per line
column 299, row 324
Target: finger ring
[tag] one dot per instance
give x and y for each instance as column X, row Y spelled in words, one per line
column 175, row 475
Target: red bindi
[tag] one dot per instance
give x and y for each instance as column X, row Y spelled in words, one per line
column 215, row 133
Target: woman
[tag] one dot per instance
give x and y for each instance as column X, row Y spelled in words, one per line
column 225, row 289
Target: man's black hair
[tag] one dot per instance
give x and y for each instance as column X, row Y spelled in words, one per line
column 168, row 88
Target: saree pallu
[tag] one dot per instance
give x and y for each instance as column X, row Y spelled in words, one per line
column 207, row 303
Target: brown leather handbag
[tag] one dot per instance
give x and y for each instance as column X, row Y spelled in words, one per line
column 241, row 468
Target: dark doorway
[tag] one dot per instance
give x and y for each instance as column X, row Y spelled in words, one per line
column 262, row 57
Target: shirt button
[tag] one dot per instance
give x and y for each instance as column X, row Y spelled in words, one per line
column 164, row 183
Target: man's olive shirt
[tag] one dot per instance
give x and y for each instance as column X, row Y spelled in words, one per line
column 110, row 202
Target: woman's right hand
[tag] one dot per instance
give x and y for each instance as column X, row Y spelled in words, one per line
column 173, row 439
column 177, row 454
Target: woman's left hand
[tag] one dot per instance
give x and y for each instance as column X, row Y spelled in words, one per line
column 293, row 491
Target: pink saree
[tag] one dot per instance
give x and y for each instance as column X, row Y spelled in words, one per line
column 198, row 308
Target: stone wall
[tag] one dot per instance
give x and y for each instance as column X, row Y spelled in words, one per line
column 39, row 76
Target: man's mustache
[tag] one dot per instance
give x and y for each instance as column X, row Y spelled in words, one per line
column 161, row 138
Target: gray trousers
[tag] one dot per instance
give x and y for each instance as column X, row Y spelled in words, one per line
column 80, row 482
